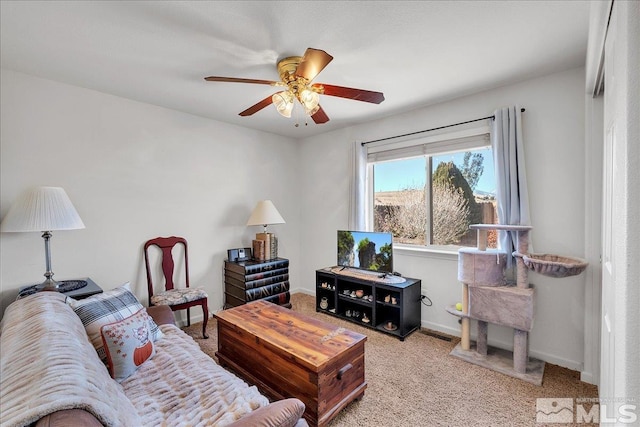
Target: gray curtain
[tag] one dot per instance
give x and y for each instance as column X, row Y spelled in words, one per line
column 511, row 177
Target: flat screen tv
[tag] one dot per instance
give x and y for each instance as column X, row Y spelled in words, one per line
column 365, row 250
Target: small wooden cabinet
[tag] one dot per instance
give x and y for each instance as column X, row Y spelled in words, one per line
column 246, row 281
column 390, row 308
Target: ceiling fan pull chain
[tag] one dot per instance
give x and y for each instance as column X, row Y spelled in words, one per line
column 297, row 115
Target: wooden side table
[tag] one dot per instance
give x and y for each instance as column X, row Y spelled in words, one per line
column 86, row 291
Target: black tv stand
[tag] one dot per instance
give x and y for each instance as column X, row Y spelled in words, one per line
column 387, row 303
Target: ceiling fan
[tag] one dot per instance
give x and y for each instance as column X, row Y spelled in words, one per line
column 296, row 74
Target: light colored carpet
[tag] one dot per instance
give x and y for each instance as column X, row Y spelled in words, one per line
column 417, row 383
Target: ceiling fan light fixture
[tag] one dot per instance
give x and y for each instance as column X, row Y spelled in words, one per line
column 310, row 100
column 283, row 102
column 311, row 111
column 296, row 74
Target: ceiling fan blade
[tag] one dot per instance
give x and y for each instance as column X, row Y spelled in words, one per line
column 236, row 80
column 257, row 107
column 313, row 61
column 320, row 116
column 350, row 93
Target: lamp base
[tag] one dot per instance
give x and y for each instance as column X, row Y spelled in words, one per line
column 49, row 285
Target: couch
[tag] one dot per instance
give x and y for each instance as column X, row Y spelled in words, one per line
column 51, row 374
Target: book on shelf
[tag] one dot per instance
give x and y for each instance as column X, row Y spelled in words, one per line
column 266, row 237
column 266, row 291
column 254, row 269
column 265, row 273
column 274, row 245
column 258, row 250
column 250, row 284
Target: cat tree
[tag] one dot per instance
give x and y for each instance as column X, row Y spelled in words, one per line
column 488, row 298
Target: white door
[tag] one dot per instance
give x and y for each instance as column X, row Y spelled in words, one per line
column 607, row 339
column 620, row 376
column 614, row 233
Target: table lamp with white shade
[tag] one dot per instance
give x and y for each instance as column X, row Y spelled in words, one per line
column 265, row 213
column 43, row 209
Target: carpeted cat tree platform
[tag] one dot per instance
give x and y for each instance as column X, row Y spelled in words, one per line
column 488, row 298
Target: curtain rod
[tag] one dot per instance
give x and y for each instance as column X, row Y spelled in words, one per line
column 432, row 129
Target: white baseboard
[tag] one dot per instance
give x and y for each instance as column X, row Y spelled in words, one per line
column 440, row 328
column 550, row 358
column 588, row 377
column 566, row 363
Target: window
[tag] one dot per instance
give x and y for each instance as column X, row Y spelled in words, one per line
column 427, row 192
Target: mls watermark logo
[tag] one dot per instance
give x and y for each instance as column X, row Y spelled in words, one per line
column 554, row 410
column 587, row 410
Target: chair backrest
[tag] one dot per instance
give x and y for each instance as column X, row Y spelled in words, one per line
column 166, row 245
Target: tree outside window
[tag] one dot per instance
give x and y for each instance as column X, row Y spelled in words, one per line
column 432, row 200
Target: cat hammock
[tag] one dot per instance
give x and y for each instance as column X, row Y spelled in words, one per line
column 553, row 265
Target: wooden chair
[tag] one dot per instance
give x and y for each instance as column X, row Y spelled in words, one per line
column 176, row 298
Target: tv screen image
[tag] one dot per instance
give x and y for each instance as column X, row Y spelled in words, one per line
column 366, row 250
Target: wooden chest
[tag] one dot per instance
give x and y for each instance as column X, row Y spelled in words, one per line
column 287, row 354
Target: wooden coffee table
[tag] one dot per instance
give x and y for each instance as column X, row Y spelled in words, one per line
column 288, row 354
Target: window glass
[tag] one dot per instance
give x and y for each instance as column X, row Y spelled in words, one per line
column 431, row 200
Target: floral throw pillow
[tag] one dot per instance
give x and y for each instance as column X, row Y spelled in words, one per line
column 108, row 307
column 128, row 344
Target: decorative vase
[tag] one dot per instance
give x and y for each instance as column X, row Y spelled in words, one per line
column 324, row 303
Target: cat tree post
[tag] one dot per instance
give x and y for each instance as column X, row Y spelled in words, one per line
column 522, row 271
column 482, row 239
column 483, row 327
column 465, row 333
column 481, row 340
column 521, row 338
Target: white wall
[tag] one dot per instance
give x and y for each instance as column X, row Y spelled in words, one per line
column 135, row 171
column 554, row 128
column 119, row 161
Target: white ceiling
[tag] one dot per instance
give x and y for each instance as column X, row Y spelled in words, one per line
column 416, row 52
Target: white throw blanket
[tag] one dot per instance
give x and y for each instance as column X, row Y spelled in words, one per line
column 48, row 364
column 182, row 386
